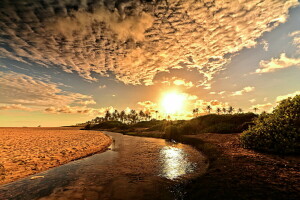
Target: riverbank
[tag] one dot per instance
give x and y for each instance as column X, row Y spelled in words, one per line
column 238, row 173
column 27, row 151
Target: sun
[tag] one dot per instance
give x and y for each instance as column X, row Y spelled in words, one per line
column 173, row 102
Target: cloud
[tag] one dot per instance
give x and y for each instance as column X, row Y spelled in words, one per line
column 134, row 40
column 22, row 89
column 148, row 105
column 102, row 86
column 263, row 107
column 183, row 83
column 280, row 98
column 86, row 102
column 15, row 107
column 244, row 90
column 76, row 110
column 296, row 39
column 275, row 64
column 265, row 45
column 214, row 104
column 252, row 100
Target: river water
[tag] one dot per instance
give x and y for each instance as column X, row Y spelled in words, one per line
column 132, row 168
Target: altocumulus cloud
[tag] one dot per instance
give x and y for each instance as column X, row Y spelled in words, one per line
column 275, row 64
column 22, row 89
column 133, row 39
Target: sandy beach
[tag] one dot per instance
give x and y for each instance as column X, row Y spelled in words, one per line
column 27, row 151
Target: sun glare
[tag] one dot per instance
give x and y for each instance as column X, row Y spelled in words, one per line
column 173, row 102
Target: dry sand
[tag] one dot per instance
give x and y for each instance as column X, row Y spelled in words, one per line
column 27, row 151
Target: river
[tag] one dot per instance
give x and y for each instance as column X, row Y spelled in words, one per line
column 132, row 168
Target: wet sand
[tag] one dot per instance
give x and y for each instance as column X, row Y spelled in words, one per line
column 132, row 168
column 238, row 173
column 27, row 151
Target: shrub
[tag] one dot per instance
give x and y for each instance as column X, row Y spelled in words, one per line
column 87, row 127
column 108, row 125
column 220, row 123
column 172, row 133
column 276, row 132
column 221, row 128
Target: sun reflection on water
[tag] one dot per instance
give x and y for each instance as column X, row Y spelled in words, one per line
column 174, row 162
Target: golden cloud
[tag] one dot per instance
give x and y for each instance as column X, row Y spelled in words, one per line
column 275, row 64
column 280, row 98
column 134, row 40
column 25, row 90
column 244, row 90
column 15, row 107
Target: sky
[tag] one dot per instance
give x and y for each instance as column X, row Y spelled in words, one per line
column 66, row 62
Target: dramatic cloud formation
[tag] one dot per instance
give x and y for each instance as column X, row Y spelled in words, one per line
column 22, row 89
column 132, row 39
column 277, row 63
column 279, row 98
column 244, row 90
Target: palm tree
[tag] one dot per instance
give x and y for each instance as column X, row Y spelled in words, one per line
column 224, row 110
column 148, row 115
column 240, row 110
column 208, row 108
column 107, row 115
column 142, row 115
column 122, row 115
column 133, row 116
column 218, row 110
column 255, row 109
column 230, row 109
column 195, row 112
column 115, row 115
column 156, row 112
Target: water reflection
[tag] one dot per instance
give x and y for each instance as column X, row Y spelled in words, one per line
column 174, row 162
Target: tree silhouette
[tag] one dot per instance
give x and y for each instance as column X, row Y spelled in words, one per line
column 218, row 110
column 107, row 115
column 156, row 112
column 230, row 110
column 195, row 112
column 133, row 116
column 122, row 116
column 224, row 110
column 240, row 110
column 115, row 115
column 208, row 108
column 142, row 115
column 255, row 109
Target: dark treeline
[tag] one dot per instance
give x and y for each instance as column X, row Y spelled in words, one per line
column 134, row 116
column 127, row 118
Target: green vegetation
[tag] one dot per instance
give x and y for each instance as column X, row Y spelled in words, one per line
column 228, row 123
column 212, row 123
column 276, row 132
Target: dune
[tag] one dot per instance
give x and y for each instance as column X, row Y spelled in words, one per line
column 27, row 151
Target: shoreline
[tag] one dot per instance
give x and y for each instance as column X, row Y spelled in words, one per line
column 29, row 151
column 238, row 173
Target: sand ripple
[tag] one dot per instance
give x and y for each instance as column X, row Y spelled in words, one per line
column 26, row 151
